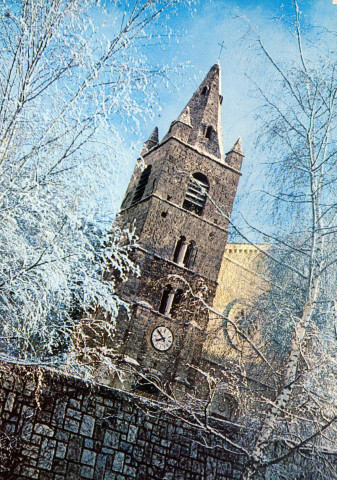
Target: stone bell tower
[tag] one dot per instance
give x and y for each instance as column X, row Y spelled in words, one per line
column 179, row 203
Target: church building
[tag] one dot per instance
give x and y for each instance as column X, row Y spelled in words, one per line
column 179, row 203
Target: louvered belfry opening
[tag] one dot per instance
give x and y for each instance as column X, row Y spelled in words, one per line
column 144, row 178
column 196, row 195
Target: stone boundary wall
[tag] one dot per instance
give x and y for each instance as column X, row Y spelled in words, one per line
column 55, row 427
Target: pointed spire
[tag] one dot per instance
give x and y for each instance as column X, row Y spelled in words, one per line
column 151, row 142
column 203, row 115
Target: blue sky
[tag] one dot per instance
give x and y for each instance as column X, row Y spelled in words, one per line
column 197, row 46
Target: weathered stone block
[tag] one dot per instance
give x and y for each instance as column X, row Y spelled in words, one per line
column 30, row 451
column 30, row 472
column 74, row 448
column 59, row 466
column 129, row 472
column 61, row 449
column 46, row 476
column 110, row 476
column 118, row 462
column 87, row 472
column 88, row 443
column 87, row 426
column 211, row 468
column 111, row 439
column 121, row 426
column 71, row 425
column 47, row 454
column 59, row 412
column 88, row 457
column 63, row 436
column 75, row 404
column 10, row 401
column 44, row 430
column 26, row 431
column 73, row 471
column 137, row 454
column 74, row 414
column 43, row 417
column 100, row 466
column 132, row 433
column 126, row 447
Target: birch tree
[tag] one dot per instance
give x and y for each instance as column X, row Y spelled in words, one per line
column 300, row 131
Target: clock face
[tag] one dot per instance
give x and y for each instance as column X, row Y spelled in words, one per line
column 162, row 338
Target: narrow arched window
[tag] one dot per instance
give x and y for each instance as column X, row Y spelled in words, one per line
column 149, row 383
column 176, row 301
column 180, row 250
column 196, row 194
column 166, row 300
column 204, row 90
column 144, row 178
column 208, row 131
column 191, row 252
column 170, row 300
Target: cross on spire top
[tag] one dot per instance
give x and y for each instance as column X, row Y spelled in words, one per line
column 222, row 46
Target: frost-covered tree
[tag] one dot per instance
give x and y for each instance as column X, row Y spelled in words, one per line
column 72, row 75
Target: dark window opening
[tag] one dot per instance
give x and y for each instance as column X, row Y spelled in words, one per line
column 148, row 385
column 164, row 214
column 166, row 300
column 176, row 301
column 185, row 253
column 180, row 250
column 196, row 194
column 144, row 178
column 170, row 300
column 191, row 253
column 208, row 132
column 204, row 90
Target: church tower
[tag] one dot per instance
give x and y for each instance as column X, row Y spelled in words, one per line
column 179, row 203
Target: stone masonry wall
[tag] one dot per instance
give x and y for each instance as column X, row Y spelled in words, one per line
column 54, row 427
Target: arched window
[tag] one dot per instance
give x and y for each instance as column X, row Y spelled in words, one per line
column 144, row 178
column 150, row 383
column 180, row 250
column 191, row 252
column 176, row 301
column 204, row 90
column 208, row 131
column 166, row 300
column 196, row 194
column 170, row 300
column 185, row 253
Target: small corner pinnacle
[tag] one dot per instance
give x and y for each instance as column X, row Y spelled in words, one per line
column 185, row 116
column 151, row 142
column 238, row 146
